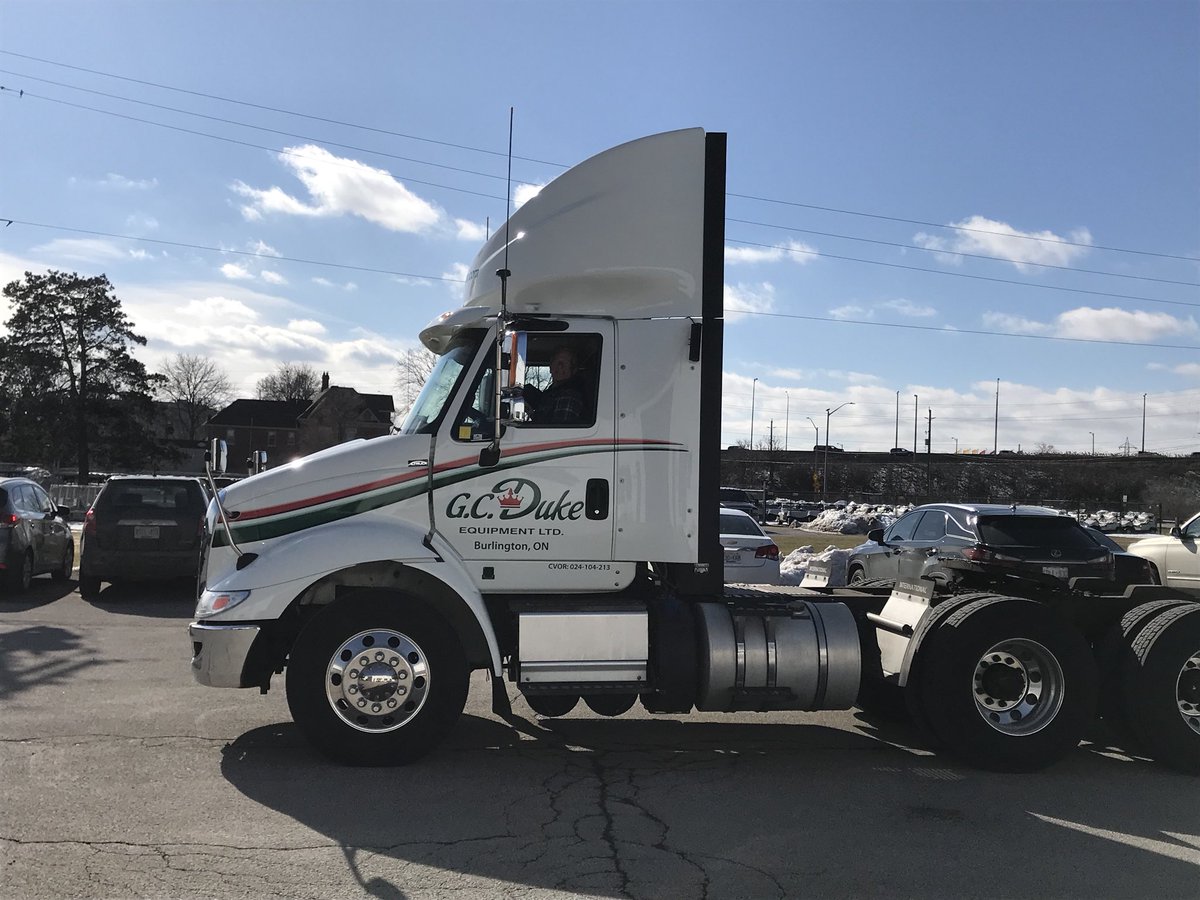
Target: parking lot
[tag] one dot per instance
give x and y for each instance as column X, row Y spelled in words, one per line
column 122, row 778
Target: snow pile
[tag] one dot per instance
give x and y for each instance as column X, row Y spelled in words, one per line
column 1110, row 521
column 854, row 518
column 793, row 566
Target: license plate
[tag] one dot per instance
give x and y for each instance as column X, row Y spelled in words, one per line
column 733, row 557
column 145, row 532
column 1055, row 571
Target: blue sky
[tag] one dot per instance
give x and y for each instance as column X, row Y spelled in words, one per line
column 924, row 197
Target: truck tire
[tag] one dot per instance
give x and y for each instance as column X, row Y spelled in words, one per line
column 1160, row 688
column 1113, row 651
column 1007, row 685
column 376, row 679
column 551, row 706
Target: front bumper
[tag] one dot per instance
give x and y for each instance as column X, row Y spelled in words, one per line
column 219, row 653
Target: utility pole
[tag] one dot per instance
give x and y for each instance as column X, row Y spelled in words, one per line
column 896, row 439
column 1143, row 423
column 929, row 456
column 753, row 385
column 1093, row 434
column 996, row 431
column 915, row 414
column 787, row 411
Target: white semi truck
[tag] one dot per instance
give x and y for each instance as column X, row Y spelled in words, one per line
column 579, row 558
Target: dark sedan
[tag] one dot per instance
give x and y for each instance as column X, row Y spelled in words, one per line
column 978, row 544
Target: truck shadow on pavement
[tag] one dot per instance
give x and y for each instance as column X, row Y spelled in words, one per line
column 155, row 599
column 652, row 808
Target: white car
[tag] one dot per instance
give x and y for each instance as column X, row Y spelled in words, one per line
column 751, row 557
column 1175, row 555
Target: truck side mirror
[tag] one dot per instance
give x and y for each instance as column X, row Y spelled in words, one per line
column 217, row 456
column 489, row 456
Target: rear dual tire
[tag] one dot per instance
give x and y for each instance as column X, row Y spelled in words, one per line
column 1005, row 684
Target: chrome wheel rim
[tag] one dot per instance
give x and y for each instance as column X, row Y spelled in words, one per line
column 377, row 680
column 1018, row 687
column 1187, row 692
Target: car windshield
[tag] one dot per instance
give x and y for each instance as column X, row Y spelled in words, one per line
column 1034, row 531
column 739, row 525
column 427, row 411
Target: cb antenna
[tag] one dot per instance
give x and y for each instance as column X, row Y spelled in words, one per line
column 490, row 455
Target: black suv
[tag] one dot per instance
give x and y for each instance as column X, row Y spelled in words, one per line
column 142, row 528
column 34, row 536
column 980, row 544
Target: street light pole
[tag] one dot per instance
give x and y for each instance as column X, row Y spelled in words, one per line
column 787, row 410
column 1143, row 423
column 825, row 471
column 1093, row 434
column 955, row 445
column 816, row 432
column 753, row 385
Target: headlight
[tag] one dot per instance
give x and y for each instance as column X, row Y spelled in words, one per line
column 213, row 602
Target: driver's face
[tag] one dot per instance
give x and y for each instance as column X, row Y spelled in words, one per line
column 562, row 365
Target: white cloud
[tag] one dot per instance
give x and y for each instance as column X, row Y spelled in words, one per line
column 323, row 282
column 795, row 251
column 988, row 237
column 338, row 186
column 523, row 193
column 94, row 250
column 306, row 326
column 1109, row 324
column 139, row 254
column 235, row 272
column 910, row 309
column 114, row 181
column 1191, row 370
column 262, row 248
column 469, row 231
column 141, row 222
column 748, row 298
column 851, row 311
column 272, row 277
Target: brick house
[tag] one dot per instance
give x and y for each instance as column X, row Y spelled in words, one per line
column 288, row 429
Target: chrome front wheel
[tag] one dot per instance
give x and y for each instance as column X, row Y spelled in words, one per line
column 377, row 680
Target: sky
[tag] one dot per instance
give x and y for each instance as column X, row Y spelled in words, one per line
column 987, row 213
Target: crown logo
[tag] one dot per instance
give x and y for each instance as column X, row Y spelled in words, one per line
column 510, row 500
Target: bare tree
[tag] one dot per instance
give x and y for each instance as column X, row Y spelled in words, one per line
column 412, row 371
column 289, row 381
column 198, row 387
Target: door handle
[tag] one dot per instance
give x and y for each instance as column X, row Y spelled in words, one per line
column 596, row 499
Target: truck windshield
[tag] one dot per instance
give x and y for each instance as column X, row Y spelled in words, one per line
column 446, row 374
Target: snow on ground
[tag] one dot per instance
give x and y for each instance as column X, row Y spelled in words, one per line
column 793, row 566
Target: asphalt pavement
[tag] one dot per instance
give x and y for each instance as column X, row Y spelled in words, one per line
column 120, row 777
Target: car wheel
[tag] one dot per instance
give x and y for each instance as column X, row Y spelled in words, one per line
column 20, row 576
column 376, row 679
column 1007, row 685
column 856, row 575
column 63, row 572
column 1160, row 688
column 89, row 586
column 551, row 706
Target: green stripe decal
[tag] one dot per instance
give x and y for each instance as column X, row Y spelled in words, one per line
column 299, row 520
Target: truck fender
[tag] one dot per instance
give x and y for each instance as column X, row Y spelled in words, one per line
column 383, row 554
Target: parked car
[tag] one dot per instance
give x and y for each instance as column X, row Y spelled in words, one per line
column 981, row 543
column 751, row 557
column 142, row 528
column 34, row 537
column 736, row 498
column 1175, row 555
column 1129, row 568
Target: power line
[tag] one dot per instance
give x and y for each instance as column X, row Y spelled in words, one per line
column 959, row 253
column 268, row 256
column 287, row 112
column 992, row 278
column 1032, row 337
column 557, row 165
column 1025, row 237
column 290, row 134
column 228, row 140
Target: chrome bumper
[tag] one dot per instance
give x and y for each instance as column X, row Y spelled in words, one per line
column 220, row 653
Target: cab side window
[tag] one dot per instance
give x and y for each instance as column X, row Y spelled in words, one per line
column 932, row 527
